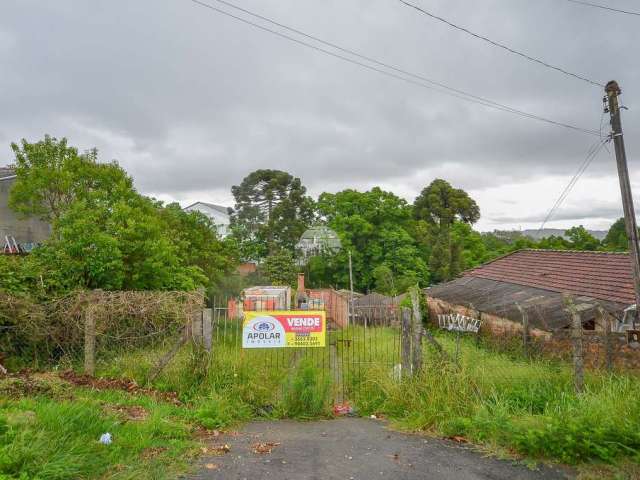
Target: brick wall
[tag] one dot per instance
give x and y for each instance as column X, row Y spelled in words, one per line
column 595, row 347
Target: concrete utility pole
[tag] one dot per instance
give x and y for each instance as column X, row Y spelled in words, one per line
column 613, row 91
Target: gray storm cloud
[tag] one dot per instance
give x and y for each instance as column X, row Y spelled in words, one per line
column 190, row 101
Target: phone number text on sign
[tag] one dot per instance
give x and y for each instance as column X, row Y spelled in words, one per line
column 282, row 329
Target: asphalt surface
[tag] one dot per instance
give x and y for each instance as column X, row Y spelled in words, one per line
column 352, row 449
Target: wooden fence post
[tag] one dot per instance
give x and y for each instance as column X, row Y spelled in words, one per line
column 197, row 333
column 608, row 340
column 417, row 331
column 90, row 339
column 525, row 330
column 406, row 342
column 578, row 351
column 207, row 328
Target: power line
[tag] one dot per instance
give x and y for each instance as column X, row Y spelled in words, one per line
column 604, row 7
column 567, row 189
column 415, row 79
column 500, row 45
column 591, row 154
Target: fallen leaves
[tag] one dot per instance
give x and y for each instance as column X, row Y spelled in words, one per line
column 212, row 466
column 152, row 452
column 133, row 413
column 216, row 450
column 458, row 439
column 264, row 448
column 124, row 384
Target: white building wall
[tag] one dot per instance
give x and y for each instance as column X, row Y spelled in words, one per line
column 219, row 219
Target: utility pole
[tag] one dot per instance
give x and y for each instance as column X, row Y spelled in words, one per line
column 351, row 289
column 613, row 91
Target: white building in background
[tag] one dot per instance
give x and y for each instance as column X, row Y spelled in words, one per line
column 218, row 214
column 318, row 240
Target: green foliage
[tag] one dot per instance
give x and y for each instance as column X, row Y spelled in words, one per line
column 440, row 204
column 528, row 407
column 438, row 208
column 374, row 226
column 272, row 211
column 51, row 176
column 280, row 268
column 220, row 412
column 384, row 281
column 51, row 438
column 105, row 234
column 616, row 239
column 581, row 239
column 308, row 393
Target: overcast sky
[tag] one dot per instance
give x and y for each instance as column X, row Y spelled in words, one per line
column 189, row 101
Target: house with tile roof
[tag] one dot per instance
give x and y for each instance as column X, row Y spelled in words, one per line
column 26, row 231
column 536, row 282
column 218, row 214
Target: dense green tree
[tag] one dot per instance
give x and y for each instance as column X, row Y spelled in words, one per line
column 580, row 239
column 437, row 209
column 553, row 242
column 616, row 238
column 105, row 234
column 384, row 281
column 51, row 175
column 280, row 268
column 198, row 244
column 440, row 204
column 271, row 212
column 374, row 226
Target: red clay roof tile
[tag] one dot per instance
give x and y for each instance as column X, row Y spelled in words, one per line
column 606, row 276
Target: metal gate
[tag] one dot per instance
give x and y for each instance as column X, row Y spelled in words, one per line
column 367, row 343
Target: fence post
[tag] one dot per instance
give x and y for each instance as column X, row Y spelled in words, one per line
column 207, row 328
column 608, row 347
column 525, row 330
column 417, row 331
column 89, row 340
column 196, row 319
column 406, row 342
column 578, row 351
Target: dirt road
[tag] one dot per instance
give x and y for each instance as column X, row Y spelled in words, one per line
column 352, row 448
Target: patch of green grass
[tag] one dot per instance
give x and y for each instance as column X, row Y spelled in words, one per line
column 307, row 394
column 498, row 400
column 51, row 438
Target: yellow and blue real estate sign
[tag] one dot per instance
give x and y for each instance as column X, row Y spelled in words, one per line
column 284, row 329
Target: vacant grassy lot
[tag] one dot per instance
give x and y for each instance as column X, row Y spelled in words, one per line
column 49, row 428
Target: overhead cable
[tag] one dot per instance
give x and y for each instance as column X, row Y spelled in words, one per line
column 500, row 45
column 604, row 7
column 591, row 154
column 414, row 79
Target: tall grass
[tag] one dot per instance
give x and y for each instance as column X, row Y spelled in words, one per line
column 499, row 400
column 526, row 406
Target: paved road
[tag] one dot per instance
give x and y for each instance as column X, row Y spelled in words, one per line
column 353, row 448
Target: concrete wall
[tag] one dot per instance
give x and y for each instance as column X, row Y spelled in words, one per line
column 30, row 230
column 556, row 344
column 490, row 323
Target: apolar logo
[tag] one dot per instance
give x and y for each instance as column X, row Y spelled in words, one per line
column 263, row 332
